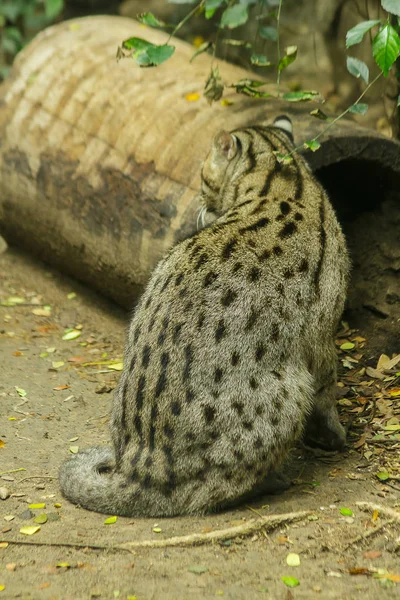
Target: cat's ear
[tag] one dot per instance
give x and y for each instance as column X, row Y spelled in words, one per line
column 284, row 123
column 226, row 144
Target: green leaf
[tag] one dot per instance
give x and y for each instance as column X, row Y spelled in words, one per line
column 312, row 145
column 358, row 68
column 260, row 60
column 203, row 48
column 110, row 520
column 52, row 8
column 150, row 20
column 346, row 512
column 386, row 48
column 290, row 56
column 284, row 159
column 254, row 83
column 268, row 33
column 347, row 346
column 232, row 42
column 159, row 54
column 11, row 10
column 214, row 88
column 157, row 529
column 392, row 6
column 290, row 581
column 137, row 44
column 398, row 104
column 356, row 34
column 71, row 335
column 234, row 16
column 300, row 96
column 21, row 392
column 40, row 519
column 383, row 475
column 359, row 109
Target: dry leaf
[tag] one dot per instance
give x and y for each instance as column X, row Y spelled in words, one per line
column 372, row 554
column 58, row 388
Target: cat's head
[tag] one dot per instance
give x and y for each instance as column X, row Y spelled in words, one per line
column 235, row 154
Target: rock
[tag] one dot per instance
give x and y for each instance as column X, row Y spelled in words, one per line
column 103, row 388
column 4, row 493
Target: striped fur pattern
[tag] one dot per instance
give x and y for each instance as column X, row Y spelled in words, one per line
column 230, row 355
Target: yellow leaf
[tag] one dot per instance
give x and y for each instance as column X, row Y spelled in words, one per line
column 2, row 587
column 395, row 392
column 41, row 505
column 74, row 449
column 30, row 529
column 41, row 312
column 375, row 515
column 110, row 520
column 40, row 519
column 2, row 444
column 383, row 359
column 198, row 41
column 3, row 544
column 71, row 335
column 65, row 565
column 192, row 97
column 116, row 366
column 58, row 364
column 347, row 346
column 157, row 529
column 226, row 102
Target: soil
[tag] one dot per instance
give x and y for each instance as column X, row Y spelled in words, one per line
column 43, row 421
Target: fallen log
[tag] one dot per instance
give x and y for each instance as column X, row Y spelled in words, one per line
column 100, row 161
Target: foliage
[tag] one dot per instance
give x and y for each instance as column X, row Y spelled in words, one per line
column 20, row 20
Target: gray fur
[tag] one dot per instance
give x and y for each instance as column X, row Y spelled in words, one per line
column 230, row 354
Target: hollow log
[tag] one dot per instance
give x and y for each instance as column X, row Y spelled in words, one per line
column 100, row 161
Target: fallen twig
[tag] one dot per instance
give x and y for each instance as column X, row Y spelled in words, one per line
column 368, row 534
column 37, row 477
column 196, row 539
column 219, row 535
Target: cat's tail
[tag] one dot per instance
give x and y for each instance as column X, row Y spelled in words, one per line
column 88, row 479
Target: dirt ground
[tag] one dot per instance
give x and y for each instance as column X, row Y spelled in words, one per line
column 50, row 405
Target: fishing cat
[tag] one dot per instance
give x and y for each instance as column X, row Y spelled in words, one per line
column 230, row 355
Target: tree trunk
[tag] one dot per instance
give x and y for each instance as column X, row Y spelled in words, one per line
column 100, row 161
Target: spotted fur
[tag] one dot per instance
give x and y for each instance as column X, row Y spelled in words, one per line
column 230, row 354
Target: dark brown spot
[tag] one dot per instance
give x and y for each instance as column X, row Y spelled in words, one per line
column 235, row 358
column 176, row 408
column 288, row 273
column 263, row 222
column 238, row 454
column 188, row 306
column 260, row 351
column 228, row 297
column 132, row 365
column 153, row 417
column 239, row 407
column 189, row 396
column 248, row 425
column 251, row 320
column 209, row 278
column 166, row 283
column 190, row 437
column 183, row 292
column 229, row 248
column 177, row 332
column 285, row 208
column 202, row 260
column 298, row 216
column 188, row 362
column 236, row 267
column 140, row 392
column 276, row 374
column 220, row 332
column 200, row 320
column 287, row 230
column 169, row 431
column 280, row 289
column 146, row 356
column 209, row 414
column 148, row 302
column 303, row 268
column 275, row 420
column 260, row 410
column 179, row 278
column 136, row 334
column 146, row 483
column 277, row 250
column 258, row 443
column 254, row 274
column 168, row 454
column 151, row 323
column 218, row 375
column 275, row 332
column 253, row 383
column 148, row 462
column 265, row 255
